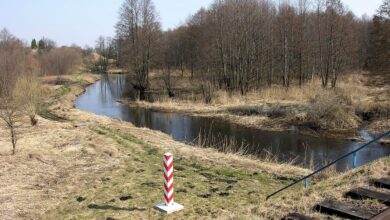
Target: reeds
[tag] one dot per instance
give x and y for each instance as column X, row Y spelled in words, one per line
column 231, row 145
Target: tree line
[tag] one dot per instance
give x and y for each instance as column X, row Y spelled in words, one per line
column 239, row 45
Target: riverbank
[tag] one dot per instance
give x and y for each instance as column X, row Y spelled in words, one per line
column 259, row 116
column 355, row 104
column 77, row 165
column 70, row 152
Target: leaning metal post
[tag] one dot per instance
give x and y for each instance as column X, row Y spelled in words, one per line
column 354, row 158
column 307, row 183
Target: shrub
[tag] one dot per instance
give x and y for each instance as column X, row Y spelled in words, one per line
column 28, row 93
column 331, row 111
column 60, row 61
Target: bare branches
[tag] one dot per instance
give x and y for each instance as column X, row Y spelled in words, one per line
column 244, row 45
column 60, row 61
column 12, row 60
column 138, row 32
column 19, row 88
column 379, row 35
column 105, row 48
column 10, row 114
column 248, row 44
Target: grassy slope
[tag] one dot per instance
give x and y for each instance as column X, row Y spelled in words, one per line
column 51, row 159
column 204, row 190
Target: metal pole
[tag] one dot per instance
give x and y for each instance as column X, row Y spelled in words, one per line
column 354, row 158
column 329, row 164
column 307, row 183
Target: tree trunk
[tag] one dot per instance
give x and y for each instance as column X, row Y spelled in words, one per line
column 13, row 140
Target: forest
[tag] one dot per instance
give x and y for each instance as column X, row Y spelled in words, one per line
column 245, row 45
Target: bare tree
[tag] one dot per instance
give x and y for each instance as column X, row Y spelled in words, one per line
column 379, row 49
column 10, row 114
column 241, row 45
column 12, row 56
column 169, row 60
column 138, row 31
column 105, row 48
column 12, row 66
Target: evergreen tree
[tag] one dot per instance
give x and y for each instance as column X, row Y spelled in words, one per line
column 41, row 44
column 34, row 44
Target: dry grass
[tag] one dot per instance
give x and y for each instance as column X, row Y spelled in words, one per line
column 315, row 110
column 56, row 161
column 52, row 159
column 207, row 190
column 352, row 85
column 102, row 159
column 201, row 185
column 334, row 187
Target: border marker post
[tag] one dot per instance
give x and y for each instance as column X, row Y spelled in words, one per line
column 169, row 204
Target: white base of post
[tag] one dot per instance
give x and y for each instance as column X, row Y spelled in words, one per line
column 169, row 209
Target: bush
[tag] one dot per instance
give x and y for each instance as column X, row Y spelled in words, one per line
column 60, row 61
column 331, row 111
column 28, row 93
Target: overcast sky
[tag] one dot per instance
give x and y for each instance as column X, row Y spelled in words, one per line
column 82, row 21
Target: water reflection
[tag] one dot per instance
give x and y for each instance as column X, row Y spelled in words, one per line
column 101, row 97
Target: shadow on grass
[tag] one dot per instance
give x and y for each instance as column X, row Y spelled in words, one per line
column 109, row 207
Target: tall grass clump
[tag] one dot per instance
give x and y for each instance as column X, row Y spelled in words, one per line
column 331, row 111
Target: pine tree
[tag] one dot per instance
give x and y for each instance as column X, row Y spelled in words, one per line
column 41, row 44
column 34, row 44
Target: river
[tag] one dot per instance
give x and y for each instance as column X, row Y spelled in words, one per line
column 101, row 98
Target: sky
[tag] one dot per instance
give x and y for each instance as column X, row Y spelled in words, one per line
column 82, row 21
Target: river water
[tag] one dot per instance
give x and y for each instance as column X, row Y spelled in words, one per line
column 101, row 98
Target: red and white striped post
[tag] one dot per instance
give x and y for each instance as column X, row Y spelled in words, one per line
column 169, row 205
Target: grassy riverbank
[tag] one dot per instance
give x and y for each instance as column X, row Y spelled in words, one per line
column 70, row 152
column 359, row 101
column 207, row 191
column 204, row 189
column 77, row 165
